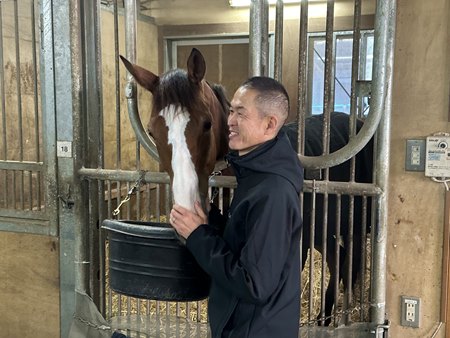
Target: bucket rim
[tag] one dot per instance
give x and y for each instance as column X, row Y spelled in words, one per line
column 154, row 230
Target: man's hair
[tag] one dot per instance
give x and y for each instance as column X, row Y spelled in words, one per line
column 272, row 97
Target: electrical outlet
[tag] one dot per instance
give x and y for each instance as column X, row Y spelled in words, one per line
column 415, row 155
column 410, row 311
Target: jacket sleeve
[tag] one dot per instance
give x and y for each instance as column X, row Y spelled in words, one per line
column 254, row 273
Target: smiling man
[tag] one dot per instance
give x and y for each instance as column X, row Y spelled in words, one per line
column 253, row 254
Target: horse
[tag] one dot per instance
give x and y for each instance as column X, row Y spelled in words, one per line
column 188, row 124
column 349, row 246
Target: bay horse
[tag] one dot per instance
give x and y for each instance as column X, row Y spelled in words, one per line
column 188, row 124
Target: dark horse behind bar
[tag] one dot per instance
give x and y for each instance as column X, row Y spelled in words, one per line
column 188, row 124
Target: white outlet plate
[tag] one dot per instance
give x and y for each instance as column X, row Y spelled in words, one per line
column 410, row 311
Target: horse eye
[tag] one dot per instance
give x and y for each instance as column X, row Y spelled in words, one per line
column 207, row 125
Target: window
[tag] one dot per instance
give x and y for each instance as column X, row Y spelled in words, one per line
column 343, row 44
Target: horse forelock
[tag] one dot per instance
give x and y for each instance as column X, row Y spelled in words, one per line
column 175, row 89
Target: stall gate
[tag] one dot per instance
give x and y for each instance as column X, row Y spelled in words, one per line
column 69, row 155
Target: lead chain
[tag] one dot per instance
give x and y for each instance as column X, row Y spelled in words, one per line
column 132, row 190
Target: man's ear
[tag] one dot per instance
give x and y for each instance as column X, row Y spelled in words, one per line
column 273, row 125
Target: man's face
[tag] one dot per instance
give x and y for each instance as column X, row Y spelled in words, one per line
column 247, row 128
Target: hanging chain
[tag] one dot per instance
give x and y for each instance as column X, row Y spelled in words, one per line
column 215, row 190
column 350, row 311
column 132, row 190
column 94, row 326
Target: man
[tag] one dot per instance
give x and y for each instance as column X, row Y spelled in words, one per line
column 254, row 260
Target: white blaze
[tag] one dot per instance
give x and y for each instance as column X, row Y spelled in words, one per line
column 185, row 179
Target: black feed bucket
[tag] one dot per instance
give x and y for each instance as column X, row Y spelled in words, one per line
column 146, row 260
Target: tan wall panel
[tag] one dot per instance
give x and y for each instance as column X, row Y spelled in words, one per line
column 147, row 57
column 29, row 286
column 416, row 204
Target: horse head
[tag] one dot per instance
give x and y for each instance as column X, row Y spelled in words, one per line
column 188, row 124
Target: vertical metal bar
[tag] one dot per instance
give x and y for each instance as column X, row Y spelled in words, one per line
column 363, row 265
column 19, row 104
column 131, row 90
column 312, row 228
column 62, row 103
column 383, row 72
column 324, row 253
column 328, row 96
column 349, row 257
column 117, row 84
column 302, row 202
column 4, row 150
column 258, row 39
column 302, row 75
column 337, row 253
column 158, row 202
column 279, row 41
column 94, row 133
column 356, row 49
column 36, row 103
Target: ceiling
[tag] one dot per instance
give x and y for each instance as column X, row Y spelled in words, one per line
column 194, row 12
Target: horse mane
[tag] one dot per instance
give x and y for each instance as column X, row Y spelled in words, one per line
column 219, row 91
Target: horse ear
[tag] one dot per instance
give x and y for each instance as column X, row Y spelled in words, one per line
column 145, row 78
column 196, row 66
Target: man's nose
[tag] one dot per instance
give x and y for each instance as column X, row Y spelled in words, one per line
column 231, row 119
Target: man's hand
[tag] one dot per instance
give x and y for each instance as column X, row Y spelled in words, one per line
column 185, row 221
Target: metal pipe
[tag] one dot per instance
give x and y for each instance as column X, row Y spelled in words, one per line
column 36, row 104
column 117, row 85
column 383, row 71
column 278, row 72
column 19, row 109
column 328, row 95
column 130, row 89
column 302, row 75
column 4, row 150
column 258, row 39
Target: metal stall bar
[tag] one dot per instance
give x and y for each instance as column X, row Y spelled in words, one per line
column 328, row 107
column 302, row 75
column 60, row 98
column 19, row 110
column 4, row 151
column 36, row 110
column 383, row 74
column 352, row 129
column 131, row 90
column 93, row 127
column 278, row 73
column 259, row 38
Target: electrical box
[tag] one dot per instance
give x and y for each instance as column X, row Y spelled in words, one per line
column 410, row 315
column 437, row 159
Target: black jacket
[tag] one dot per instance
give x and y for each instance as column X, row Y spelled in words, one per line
column 255, row 266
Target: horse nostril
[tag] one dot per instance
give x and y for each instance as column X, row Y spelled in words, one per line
column 207, row 125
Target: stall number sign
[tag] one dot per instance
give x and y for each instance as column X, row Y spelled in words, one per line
column 437, row 162
column 64, row 149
